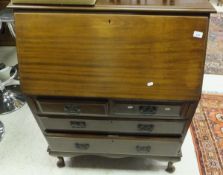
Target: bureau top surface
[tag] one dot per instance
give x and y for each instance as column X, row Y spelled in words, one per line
column 194, row 6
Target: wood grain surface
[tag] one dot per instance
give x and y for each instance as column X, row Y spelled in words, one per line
column 111, row 55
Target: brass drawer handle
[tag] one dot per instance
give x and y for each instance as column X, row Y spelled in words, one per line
column 82, row 146
column 148, row 109
column 78, row 124
column 72, row 108
column 143, row 149
column 145, row 127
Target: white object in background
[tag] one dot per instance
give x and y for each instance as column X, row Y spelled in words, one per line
column 6, row 79
column 8, row 55
column 212, row 84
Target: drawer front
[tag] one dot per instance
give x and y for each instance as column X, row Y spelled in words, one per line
column 111, row 55
column 114, row 126
column 143, row 109
column 119, row 145
column 66, row 107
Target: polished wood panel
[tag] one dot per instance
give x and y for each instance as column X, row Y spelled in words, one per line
column 111, row 55
column 185, row 6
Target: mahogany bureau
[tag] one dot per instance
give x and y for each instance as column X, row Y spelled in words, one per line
column 121, row 78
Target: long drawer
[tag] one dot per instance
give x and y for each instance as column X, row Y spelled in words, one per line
column 164, row 127
column 92, row 144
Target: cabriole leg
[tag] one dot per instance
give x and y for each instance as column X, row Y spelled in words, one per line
column 60, row 162
column 170, row 167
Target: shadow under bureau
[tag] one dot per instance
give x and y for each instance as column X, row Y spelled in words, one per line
column 120, row 78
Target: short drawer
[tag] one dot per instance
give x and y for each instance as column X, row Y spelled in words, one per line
column 71, row 107
column 171, row 127
column 92, row 144
column 148, row 109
